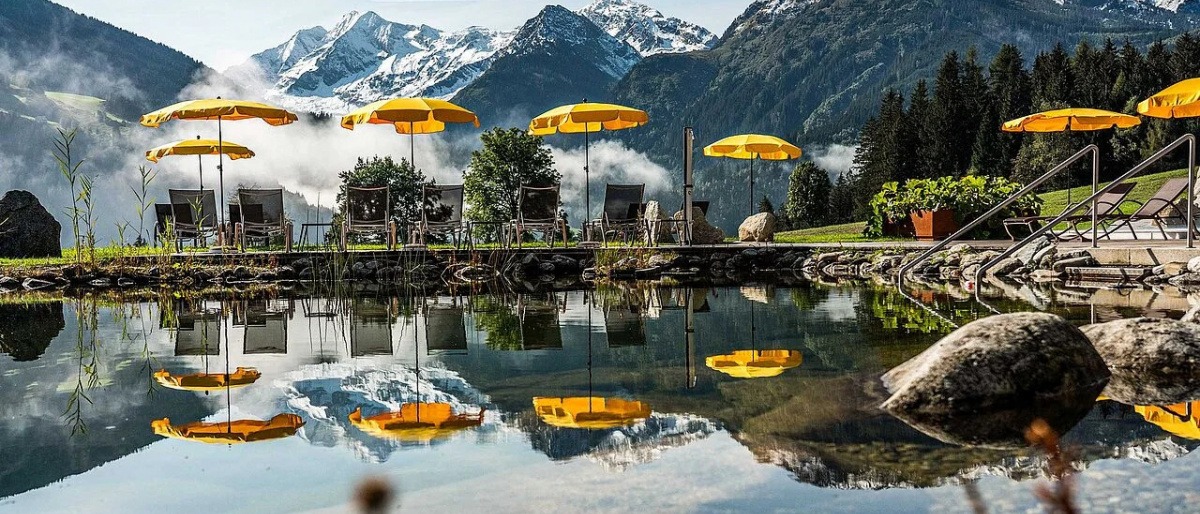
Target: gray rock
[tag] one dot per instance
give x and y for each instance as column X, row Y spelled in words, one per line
column 1153, row 361
column 126, row 282
column 1045, row 275
column 1084, row 261
column 655, row 216
column 1186, row 279
column 1000, row 362
column 26, row 228
column 759, row 227
column 565, row 264
column 960, row 248
column 659, row 260
column 1005, row 267
column 9, row 283
column 100, row 282
column 1193, row 265
column 1032, row 251
column 33, row 284
column 1172, row 269
column 703, row 233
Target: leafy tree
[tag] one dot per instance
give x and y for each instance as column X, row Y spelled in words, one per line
column 808, row 198
column 509, row 159
column 404, row 182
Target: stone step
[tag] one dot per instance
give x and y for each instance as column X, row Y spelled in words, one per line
column 1108, row 274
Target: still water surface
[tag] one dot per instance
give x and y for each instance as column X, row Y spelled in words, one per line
column 618, row 399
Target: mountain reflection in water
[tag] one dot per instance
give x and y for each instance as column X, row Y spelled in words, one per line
column 660, row 373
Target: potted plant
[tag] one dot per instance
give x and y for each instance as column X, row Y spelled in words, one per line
column 931, row 206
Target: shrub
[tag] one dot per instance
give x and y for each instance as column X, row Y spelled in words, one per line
column 968, row 197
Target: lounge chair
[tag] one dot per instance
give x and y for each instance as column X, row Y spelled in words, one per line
column 265, row 328
column 1107, row 205
column 260, row 215
column 164, row 214
column 624, row 324
column 623, row 212
column 539, row 319
column 197, row 331
column 537, row 210
column 1160, row 208
column 441, row 213
column 368, row 211
column 194, row 216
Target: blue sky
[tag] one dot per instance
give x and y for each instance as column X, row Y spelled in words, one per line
column 209, row 32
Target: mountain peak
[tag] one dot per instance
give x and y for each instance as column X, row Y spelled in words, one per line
column 646, row 29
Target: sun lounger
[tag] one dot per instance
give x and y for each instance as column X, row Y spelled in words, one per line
column 368, row 211
column 442, row 214
column 260, row 215
column 194, row 216
column 1107, row 205
column 537, row 211
column 623, row 214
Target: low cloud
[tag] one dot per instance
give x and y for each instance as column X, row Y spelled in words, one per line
column 835, row 158
column 611, row 162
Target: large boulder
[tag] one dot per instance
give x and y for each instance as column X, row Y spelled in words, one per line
column 1153, row 361
column 26, row 228
column 703, row 233
column 759, row 227
column 1007, row 369
column 655, row 218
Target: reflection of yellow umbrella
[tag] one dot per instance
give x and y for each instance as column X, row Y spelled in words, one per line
column 410, row 116
column 416, row 422
column 200, row 147
column 1179, row 419
column 229, row 432
column 755, row 363
column 586, row 118
column 1071, row 119
column 1180, row 100
column 753, row 146
column 208, row 381
column 219, row 109
column 590, row 412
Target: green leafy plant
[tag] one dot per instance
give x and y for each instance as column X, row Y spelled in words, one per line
column 969, row 197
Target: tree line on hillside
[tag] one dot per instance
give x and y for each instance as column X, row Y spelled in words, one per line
column 950, row 126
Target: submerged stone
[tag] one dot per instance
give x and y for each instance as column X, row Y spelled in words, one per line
column 985, row 382
column 1152, row 361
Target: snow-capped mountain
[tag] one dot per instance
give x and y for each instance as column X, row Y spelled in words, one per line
column 366, row 57
column 646, row 29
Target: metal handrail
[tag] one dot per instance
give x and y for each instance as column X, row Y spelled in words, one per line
column 1190, row 139
column 1093, row 149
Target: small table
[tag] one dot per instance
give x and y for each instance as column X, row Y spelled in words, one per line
column 322, row 228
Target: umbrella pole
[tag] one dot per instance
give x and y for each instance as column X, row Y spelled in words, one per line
column 752, row 185
column 200, row 161
column 221, row 175
column 589, row 362
column 587, row 186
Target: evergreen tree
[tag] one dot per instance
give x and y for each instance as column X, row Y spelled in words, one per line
column 975, row 97
column 765, row 205
column 947, row 150
column 988, row 154
column 917, row 117
column 809, row 196
column 842, row 200
column 1008, row 83
column 1051, row 79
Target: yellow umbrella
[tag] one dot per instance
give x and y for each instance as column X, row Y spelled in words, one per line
column 755, row 363
column 219, row 109
column 416, row 422
column 230, row 432
column 410, row 116
column 587, row 118
column 208, row 381
column 1071, row 119
column 200, row 147
column 1181, row 100
column 1179, row 419
column 590, row 412
column 753, row 146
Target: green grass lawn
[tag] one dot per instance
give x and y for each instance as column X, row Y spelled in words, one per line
column 1053, row 203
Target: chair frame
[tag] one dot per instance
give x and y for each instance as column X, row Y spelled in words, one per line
column 625, row 225
column 242, row 229
column 1104, row 207
column 1152, row 209
column 549, row 226
column 456, row 228
column 386, row 226
column 193, row 231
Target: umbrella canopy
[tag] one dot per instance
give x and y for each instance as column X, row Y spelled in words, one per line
column 230, row 432
column 200, row 147
column 207, row 381
column 590, row 412
column 752, row 147
column 1179, row 419
column 1071, row 119
column 1180, row 100
column 416, row 422
column 586, row 118
column 410, row 115
column 755, row 363
column 219, row 109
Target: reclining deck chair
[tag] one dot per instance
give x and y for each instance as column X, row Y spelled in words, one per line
column 1106, row 205
column 1160, row 208
column 193, row 215
column 164, row 220
column 623, row 210
column 260, row 215
column 537, row 210
column 442, row 213
column 368, row 211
